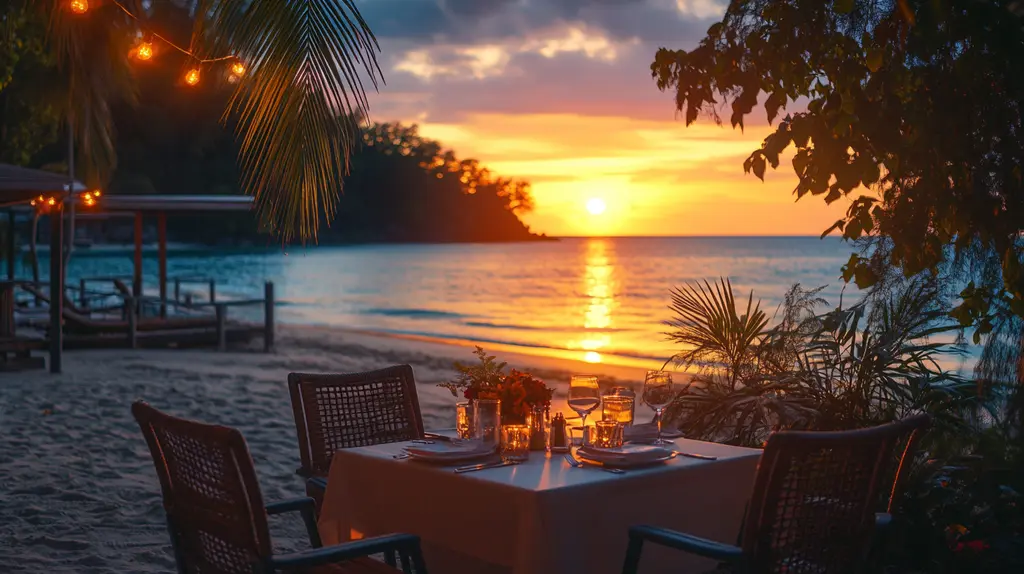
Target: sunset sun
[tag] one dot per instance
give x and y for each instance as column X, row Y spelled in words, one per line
column 596, row 206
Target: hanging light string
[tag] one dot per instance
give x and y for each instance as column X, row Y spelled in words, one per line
column 188, row 53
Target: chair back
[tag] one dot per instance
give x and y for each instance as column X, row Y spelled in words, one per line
column 336, row 411
column 816, row 494
column 215, row 510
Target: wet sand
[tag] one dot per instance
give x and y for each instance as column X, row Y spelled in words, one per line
column 78, row 491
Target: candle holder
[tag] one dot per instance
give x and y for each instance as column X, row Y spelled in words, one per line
column 464, row 419
column 607, row 434
column 515, row 442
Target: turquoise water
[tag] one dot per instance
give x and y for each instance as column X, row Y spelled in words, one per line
column 601, row 300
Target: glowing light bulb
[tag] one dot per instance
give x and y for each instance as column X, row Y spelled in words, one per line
column 96, row 193
column 192, row 77
column 51, row 201
column 238, row 68
column 79, row 6
column 144, row 51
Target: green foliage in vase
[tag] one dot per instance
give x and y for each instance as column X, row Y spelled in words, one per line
column 849, row 367
column 487, row 373
column 908, row 110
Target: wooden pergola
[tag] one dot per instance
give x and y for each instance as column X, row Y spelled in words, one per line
column 19, row 186
column 161, row 205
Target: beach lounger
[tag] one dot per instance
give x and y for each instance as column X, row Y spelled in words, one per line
column 216, row 515
column 78, row 321
column 336, row 411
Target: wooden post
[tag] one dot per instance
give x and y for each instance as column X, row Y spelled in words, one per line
column 162, row 239
column 129, row 311
column 56, row 287
column 137, row 277
column 268, row 317
column 83, row 301
column 222, row 327
column 213, row 291
column 10, row 246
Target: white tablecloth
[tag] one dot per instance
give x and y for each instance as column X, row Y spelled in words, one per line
column 540, row 517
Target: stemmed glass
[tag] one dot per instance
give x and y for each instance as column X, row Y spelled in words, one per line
column 584, row 397
column 658, row 394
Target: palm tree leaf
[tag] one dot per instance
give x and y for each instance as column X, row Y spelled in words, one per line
column 296, row 109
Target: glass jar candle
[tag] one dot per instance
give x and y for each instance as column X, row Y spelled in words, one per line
column 607, row 434
column 464, row 419
column 515, row 442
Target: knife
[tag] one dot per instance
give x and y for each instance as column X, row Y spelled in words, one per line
column 692, row 455
column 484, row 466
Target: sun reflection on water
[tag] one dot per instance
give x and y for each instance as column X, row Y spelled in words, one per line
column 599, row 286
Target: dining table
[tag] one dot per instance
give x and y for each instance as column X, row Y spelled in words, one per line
column 542, row 516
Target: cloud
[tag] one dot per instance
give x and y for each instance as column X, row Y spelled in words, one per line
column 485, row 60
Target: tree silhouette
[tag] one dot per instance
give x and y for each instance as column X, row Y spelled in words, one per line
column 910, row 109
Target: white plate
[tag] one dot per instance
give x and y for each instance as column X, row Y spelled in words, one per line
column 448, row 452
column 628, row 455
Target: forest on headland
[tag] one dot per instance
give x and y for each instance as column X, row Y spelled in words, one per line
column 170, row 139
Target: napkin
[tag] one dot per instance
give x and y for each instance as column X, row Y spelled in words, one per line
column 455, row 450
column 648, row 433
column 626, row 454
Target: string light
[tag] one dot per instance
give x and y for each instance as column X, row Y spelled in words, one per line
column 192, row 77
column 238, row 69
column 144, row 51
column 79, row 6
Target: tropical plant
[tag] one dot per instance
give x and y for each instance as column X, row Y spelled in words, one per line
column 293, row 110
column 909, row 109
column 849, row 367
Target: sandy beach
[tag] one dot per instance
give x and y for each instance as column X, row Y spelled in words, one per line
column 77, row 488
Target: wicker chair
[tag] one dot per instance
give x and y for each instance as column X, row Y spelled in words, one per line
column 215, row 511
column 336, row 411
column 813, row 504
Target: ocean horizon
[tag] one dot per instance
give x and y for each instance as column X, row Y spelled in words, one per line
column 596, row 299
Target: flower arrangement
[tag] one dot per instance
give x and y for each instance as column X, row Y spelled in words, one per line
column 518, row 392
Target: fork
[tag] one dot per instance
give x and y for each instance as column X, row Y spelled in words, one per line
column 577, row 464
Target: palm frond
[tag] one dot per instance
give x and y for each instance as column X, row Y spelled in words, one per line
column 709, row 327
column 91, row 54
column 295, row 111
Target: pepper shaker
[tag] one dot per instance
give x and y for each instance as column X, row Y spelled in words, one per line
column 559, row 434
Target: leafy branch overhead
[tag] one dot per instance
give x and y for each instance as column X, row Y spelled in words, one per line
column 908, row 109
column 294, row 111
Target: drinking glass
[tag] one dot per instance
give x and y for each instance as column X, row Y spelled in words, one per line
column 658, row 394
column 617, row 408
column 464, row 419
column 584, row 397
column 487, row 420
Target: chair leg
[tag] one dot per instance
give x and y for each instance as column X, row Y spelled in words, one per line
column 636, row 546
column 418, row 563
column 179, row 558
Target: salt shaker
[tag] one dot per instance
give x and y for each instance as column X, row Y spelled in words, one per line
column 559, row 434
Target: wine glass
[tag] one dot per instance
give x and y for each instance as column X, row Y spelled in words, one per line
column 584, row 397
column 658, row 394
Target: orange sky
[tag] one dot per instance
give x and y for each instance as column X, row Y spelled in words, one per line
column 559, row 92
